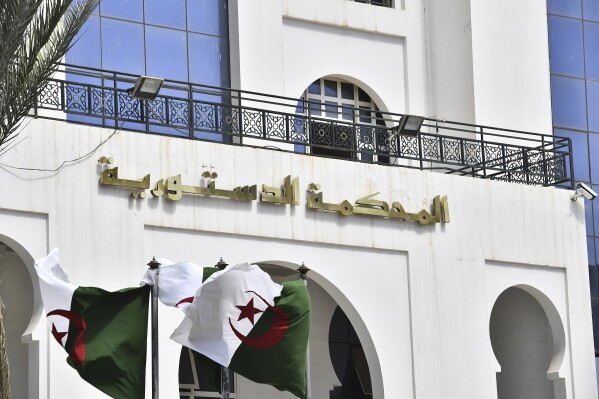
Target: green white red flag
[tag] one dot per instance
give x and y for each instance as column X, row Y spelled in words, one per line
column 259, row 329
column 104, row 333
column 178, row 282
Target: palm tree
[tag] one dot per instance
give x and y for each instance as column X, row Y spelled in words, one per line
column 34, row 37
column 4, row 372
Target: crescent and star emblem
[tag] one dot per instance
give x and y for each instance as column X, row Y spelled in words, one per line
column 184, row 300
column 78, row 354
column 274, row 334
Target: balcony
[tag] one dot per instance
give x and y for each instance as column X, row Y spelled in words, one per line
column 380, row 3
column 237, row 117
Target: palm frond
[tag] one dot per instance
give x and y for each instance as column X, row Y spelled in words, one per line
column 15, row 16
column 42, row 33
column 4, row 369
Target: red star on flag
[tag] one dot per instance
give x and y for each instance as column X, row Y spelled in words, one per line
column 248, row 311
column 58, row 335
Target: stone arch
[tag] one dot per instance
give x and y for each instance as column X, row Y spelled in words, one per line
column 328, row 287
column 23, row 309
column 327, row 299
column 378, row 100
column 528, row 340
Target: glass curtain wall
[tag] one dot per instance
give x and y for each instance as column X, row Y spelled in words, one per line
column 183, row 40
column 574, row 59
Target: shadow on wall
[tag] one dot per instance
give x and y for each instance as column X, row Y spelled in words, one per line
column 16, row 291
column 527, row 346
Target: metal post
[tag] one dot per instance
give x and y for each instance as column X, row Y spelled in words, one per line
column 303, row 271
column 225, row 386
column 224, row 382
column 155, row 266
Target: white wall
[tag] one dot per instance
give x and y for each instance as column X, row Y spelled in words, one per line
column 435, row 282
column 284, row 46
column 449, row 56
column 471, row 61
column 489, row 63
column 511, row 64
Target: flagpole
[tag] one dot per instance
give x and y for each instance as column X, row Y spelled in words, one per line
column 225, row 386
column 155, row 266
column 303, row 271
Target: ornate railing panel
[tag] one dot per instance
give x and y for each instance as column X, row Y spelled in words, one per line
column 233, row 116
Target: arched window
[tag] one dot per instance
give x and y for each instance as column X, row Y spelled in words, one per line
column 345, row 122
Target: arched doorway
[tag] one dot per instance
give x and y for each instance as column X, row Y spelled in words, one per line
column 16, row 291
column 527, row 339
column 333, row 340
column 349, row 360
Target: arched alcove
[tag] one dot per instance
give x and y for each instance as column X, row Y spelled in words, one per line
column 330, row 305
column 528, row 340
column 17, row 293
column 325, row 382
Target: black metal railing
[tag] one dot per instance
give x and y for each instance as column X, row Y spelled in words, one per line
column 238, row 117
column 381, row 3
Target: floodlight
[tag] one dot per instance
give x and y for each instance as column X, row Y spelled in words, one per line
column 409, row 125
column 582, row 190
column 146, row 88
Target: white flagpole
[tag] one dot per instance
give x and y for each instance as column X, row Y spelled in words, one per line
column 225, row 386
column 303, row 271
column 155, row 266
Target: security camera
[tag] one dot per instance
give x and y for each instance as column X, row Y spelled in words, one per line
column 582, row 190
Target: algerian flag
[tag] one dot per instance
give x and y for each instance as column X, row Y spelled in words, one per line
column 177, row 285
column 103, row 332
column 243, row 320
column 177, row 282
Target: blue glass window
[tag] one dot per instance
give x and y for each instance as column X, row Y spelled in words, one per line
column 330, row 88
column 208, row 60
column 330, row 109
column 565, row 46
column 588, row 216
column 208, row 16
column 122, row 46
column 591, row 44
column 591, row 250
column 595, row 313
column 594, row 151
column 590, row 9
column 568, row 102
column 123, row 9
column 593, row 104
column 593, row 281
column 347, row 112
column 169, row 13
column 86, row 50
column 166, row 53
column 314, row 107
column 150, row 37
column 314, row 88
column 595, row 219
column 569, row 8
column 580, row 153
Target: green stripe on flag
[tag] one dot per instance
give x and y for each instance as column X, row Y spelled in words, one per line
column 207, row 272
column 115, row 339
column 282, row 365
